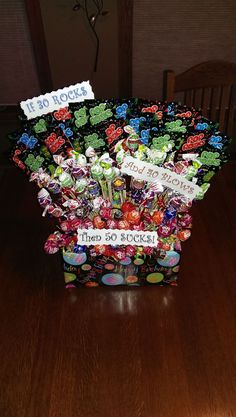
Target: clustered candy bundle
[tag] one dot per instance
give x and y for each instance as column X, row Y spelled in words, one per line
column 75, row 156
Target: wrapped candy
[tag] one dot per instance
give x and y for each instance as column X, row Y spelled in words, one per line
column 80, row 186
column 53, row 186
column 119, row 186
column 65, row 180
column 44, row 198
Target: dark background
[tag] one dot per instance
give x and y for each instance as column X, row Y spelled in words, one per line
column 45, row 45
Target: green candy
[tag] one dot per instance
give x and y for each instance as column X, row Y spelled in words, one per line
column 51, row 169
column 175, row 127
column 97, row 172
column 155, row 156
column 65, row 180
column 191, row 172
column 207, row 177
column 204, row 187
column 81, row 117
column 109, row 174
column 162, row 143
column 44, row 150
column 34, row 163
column 99, row 113
column 40, row 126
column 93, row 141
column 210, row 158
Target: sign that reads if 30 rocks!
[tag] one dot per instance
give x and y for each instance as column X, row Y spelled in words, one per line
column 90, row 237
column 149, row 172
column 55, row 100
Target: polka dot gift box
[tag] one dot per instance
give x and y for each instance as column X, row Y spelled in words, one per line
column 118, row 178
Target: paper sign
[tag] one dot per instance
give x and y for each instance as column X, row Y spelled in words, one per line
column 90, row 237
column 149, row 172
column 47, row 103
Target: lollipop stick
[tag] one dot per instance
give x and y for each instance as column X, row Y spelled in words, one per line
column 103, row 188
column 109, row 190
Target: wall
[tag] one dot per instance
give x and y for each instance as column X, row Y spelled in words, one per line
column 18, row 75
column 71, row 46
column 177, row 35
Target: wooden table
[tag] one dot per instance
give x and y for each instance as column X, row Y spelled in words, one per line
column 150, row 352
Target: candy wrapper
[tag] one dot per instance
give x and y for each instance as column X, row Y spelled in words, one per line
column 118, row 178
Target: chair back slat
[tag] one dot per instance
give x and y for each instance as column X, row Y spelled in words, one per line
column 169, row 82
column 215, row 103
column 188, row 98
column 198, row 96
column 206, row 102
column 224, row 106
column 232, row 113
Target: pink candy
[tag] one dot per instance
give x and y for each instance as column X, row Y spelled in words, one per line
column 54, row 210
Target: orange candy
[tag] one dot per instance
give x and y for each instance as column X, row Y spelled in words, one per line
column 132, row 216
column 165, row 246
column 157, row 217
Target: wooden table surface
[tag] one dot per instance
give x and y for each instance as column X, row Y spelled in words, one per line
column 102, row 352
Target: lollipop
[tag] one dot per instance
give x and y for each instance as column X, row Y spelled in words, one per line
column 44, row 198
column 119, row 186
column 66, row 180
column 80, row 186
column 97, row 174
column 93, row 188
column 53, row 186
column 109, row 174
column 51, row 245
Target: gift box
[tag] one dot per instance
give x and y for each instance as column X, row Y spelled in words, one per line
column 118, row 178
column 83, row 269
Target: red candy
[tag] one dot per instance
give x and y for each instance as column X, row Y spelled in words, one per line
column 184, row 234
column 130, row 250
column 87, row 224
column 185, row 220
column 54, row 210
column 148, row 250
column 112, row 224
column 98, row 222
column 53, row 243
column 120, row 254
column 123, row 224
column 139, row 226
column 66, row 226
column 164, row 231
column 127, row 206
column 106, row 213
column 76, row 224
column 146, row 216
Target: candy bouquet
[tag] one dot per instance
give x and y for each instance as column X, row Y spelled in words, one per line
column 118, row 177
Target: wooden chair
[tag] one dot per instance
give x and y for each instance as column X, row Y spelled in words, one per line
column 210, row 86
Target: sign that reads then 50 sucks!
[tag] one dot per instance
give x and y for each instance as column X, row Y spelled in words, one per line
column 90, row 237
